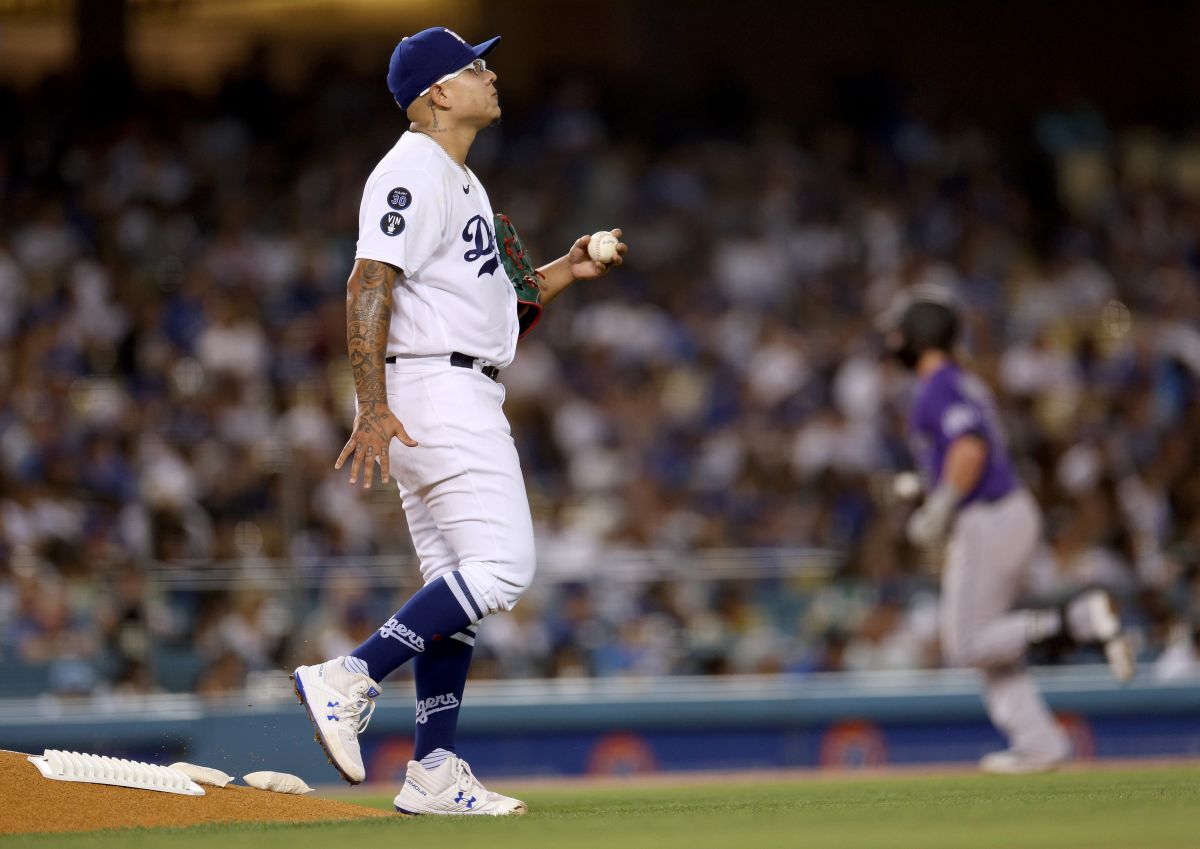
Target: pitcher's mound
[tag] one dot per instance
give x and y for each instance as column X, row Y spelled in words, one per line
column 37, row 804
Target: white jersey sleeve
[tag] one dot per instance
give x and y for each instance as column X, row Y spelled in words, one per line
column 403, row 219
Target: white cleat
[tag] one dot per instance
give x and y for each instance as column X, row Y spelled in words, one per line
column 1092, row 618
column 339, row 703
column 1012, row 762
column 451, row 788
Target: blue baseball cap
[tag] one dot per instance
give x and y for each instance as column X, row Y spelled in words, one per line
column 429, row 55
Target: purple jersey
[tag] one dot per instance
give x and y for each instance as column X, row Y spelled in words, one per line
column 951, row 403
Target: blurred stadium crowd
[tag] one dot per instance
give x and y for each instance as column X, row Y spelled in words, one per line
column 173, row 385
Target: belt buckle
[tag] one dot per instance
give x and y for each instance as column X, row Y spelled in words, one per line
column 475, row 364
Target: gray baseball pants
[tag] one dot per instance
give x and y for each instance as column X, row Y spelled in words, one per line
column 987, row 566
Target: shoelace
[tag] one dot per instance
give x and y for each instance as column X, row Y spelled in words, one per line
column 464, row 779
column 354, row 708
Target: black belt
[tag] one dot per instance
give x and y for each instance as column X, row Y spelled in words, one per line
column 463, row 361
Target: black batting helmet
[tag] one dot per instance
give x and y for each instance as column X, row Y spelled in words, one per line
column 920, row 319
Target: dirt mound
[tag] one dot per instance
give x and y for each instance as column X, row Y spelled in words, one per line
column 37, row 804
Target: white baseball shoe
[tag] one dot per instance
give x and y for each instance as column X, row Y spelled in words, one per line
column 1092, row 618
column 1013, row 762
column 339, row 703
column 451, row 788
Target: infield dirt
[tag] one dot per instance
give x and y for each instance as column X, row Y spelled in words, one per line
column 37, row 805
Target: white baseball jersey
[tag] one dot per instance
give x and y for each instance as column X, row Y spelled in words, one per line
column 430, row 217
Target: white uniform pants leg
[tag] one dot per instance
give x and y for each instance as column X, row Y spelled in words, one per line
column 986, row 568
column 462, row 488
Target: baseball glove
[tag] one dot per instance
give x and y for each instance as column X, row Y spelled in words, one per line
column 520, row 271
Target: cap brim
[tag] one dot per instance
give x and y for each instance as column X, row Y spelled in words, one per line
column 486, row 47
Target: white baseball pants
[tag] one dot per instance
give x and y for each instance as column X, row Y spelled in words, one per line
column 461, row 487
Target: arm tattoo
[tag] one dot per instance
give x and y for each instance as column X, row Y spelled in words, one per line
column 368, row 312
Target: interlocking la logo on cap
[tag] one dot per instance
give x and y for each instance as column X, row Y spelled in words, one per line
column 420, row 59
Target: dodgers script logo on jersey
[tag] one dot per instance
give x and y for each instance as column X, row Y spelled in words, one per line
column 479, row 233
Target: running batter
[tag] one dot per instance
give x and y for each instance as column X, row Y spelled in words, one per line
column 989, row 525
column 431, row 319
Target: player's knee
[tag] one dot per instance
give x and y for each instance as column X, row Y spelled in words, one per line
column 958, row 651
column 499, row 584
column 517, row 576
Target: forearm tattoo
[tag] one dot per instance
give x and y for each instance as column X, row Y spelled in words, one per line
column 368, row 313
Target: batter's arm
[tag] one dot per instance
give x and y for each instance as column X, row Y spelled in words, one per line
column 368, row 314
column 966, row 460
column 576, row 265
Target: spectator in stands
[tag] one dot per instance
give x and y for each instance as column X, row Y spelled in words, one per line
column 171, row 309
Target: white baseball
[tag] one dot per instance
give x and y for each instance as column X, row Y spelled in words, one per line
column 603, row 246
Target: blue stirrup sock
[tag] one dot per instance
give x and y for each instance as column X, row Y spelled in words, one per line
column 440, row 674
column 435, row 613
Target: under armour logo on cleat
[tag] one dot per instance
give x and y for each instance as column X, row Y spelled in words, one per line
column 331, row 714
column 470, row 802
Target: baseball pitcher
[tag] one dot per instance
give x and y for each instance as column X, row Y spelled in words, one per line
column 440, row 292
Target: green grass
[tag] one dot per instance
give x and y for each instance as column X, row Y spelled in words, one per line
column 1143, row 808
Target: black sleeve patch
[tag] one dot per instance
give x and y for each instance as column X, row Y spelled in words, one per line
column 399, row 198
column 392, row 224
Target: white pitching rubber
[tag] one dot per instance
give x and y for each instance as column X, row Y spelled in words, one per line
column 59, row 765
